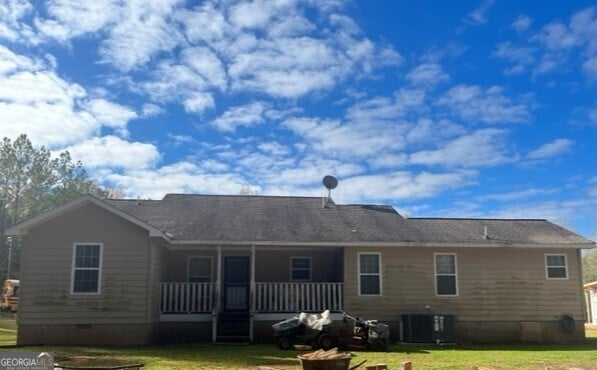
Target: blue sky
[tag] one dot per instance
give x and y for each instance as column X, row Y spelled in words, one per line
column 441, row 109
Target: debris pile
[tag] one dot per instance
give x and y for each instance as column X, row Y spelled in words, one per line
column 321, row 354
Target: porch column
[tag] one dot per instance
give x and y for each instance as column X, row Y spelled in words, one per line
column 218, row 293
column 252, row 293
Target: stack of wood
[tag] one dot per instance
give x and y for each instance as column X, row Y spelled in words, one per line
column 320, row 354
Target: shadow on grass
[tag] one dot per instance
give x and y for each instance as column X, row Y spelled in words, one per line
column 590, row 344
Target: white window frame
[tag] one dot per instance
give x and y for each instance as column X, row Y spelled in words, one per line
column 455, row 274
column 310, row 268
column 189, row 258
column 99, row 269
column 379, row 274
column 565, row 266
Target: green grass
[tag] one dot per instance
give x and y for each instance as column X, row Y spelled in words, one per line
column 8, row 329
column 208, row 356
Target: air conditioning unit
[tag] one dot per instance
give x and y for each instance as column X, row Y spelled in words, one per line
column 417, row 328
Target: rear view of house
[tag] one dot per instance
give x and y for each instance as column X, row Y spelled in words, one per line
column 218, row 268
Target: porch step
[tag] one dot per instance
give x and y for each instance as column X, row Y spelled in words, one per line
column 233, row 325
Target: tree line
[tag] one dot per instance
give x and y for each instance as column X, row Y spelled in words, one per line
column 32, row 181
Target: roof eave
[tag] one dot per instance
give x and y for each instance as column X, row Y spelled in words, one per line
column 485, row 244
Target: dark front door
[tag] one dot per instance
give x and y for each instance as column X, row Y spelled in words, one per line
column 236, row 283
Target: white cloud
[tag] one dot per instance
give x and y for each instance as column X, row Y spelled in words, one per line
column 172, row 82
column 256, row 13
column 590, row 67
column 43, row 106
column 336, row 139
column 517, row 195
column 11, row 27
column 274, row 148
column 199, row 102
column 399, row 185
column 113, row 152
column 143, row 30
column 110, row 114
column 49, row 109
column 426, row 130
column 180, row 177
column 480, row 148
column 245, row 115
column 562, row 212
column 428, row 74
column 552, row 149
column 472, row 103
column 207, row 64
column 522, row 23
column 381, row 108
column 73, row 18
column 11, row 62
column 521, row 57
column 151, row 110
column 479, row 16
column 559, row 40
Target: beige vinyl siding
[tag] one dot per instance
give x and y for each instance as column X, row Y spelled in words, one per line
column 47, row 254
column 177, row 264
column 494, row 284
column 156, row 258
column 274, row 266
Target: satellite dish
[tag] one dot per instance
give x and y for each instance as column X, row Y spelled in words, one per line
column 330, row 182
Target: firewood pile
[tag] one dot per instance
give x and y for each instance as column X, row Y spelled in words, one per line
column 321, row 354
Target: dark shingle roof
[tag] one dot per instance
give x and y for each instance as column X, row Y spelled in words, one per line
column 237, row 218
column 525, row 231
column 263, row 218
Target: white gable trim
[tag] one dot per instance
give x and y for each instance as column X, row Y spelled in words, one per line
column 22, row 228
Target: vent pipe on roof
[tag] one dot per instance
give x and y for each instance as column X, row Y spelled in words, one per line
column 485, row 236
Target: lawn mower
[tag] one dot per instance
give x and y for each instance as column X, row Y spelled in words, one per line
column 368, row 334
column 308, row 329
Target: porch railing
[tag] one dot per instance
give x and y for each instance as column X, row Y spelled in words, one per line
column 298, row 297
column 269, row 297
column 186, row 297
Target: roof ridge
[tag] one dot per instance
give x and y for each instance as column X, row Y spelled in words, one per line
column 243, row 196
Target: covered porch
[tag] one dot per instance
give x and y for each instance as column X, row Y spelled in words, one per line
column 234, row 289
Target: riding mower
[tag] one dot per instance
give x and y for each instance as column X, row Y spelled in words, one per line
column 307, row 329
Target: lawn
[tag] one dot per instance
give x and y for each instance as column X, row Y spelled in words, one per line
column 208, row 356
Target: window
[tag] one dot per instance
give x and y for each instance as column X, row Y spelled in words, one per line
column 369, row 274
column 555, row 265
column 87, row 263
column 446, row 277
column 300, row 268
column 199, row 270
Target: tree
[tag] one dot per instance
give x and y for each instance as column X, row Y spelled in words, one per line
column 589, row 267
column 32, row 181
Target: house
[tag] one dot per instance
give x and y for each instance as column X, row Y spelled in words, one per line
column 216, row 268
column 591, row 302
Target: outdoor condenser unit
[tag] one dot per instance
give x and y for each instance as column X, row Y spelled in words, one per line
column 427, row 328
